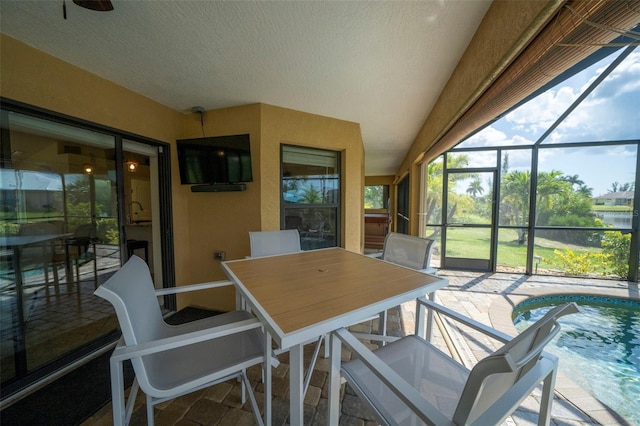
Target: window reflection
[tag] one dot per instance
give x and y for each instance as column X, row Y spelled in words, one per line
column 311, row 195
column 59, row 231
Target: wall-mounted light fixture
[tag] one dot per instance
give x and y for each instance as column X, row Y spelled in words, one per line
column 132, row 166
column 88, row 168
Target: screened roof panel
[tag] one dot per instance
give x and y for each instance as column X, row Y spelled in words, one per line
column 610, row 113
column 525, row 124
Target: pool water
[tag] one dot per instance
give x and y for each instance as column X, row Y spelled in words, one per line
column 599, row 348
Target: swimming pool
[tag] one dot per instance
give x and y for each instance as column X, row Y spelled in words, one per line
column 599, row 348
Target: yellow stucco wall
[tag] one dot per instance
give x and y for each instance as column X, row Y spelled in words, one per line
column 203, row 222
column 38, row 79
column 286, row 126
column 220, row 221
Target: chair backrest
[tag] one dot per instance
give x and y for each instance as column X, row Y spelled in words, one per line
column 407, row 250
column 130, row 290
column 267, row 243
column 37, row 253
column 86, row 230
column 496, row 374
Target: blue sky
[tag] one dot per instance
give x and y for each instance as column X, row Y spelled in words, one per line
column 611, row 112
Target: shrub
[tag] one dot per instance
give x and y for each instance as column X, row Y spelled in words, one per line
column 8, row 229
column 579, row 264
column 616, row 246
column 107, row 231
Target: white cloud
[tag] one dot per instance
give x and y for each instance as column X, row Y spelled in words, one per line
column 492, row 136
column 541, row 112
column 610, row 112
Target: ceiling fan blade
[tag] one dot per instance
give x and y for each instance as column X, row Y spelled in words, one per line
column 99, row 5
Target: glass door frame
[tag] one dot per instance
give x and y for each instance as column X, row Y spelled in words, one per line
column 488, row 265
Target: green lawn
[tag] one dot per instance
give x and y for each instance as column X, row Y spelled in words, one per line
column 474, row 243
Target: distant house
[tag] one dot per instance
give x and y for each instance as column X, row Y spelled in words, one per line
column 623, row 198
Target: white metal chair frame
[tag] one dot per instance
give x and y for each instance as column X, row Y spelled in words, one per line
column 494, row 388
column 193, row 333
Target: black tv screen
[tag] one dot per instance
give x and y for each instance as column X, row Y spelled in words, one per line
column 215, row 160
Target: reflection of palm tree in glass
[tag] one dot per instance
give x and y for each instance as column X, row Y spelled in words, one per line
column 311, row 195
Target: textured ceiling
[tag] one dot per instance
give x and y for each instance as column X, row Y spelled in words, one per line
column 381, row 64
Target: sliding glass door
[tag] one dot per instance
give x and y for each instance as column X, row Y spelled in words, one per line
column 74, row 204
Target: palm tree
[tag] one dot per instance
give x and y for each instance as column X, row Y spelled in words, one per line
column 574, row 180
column 514, row 206
column 435, row 173
column 625, row 187
column 552, row 190
column 475, row 188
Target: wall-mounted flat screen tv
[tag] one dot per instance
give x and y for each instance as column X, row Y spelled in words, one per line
column 215, row 160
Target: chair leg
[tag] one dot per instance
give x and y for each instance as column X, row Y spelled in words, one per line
column 252, row 399
column 547, row 398
column 150, row 416
column 117, row 393
column 382, row 327
column 326, row 346
column 95, row 267
column 312, row 363
column 131, row 401
column 56, row 279
column 243, row 388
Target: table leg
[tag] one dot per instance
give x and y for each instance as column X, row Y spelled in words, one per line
column 267, row 378
column 334, row 380
column 296, row 385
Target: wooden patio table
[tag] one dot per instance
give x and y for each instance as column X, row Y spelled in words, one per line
column 303, row 296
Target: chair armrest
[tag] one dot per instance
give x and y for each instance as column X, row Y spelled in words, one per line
column 374, row 255
column 547, row 366
column 489, row 331
column 403, row 390
column 192, row 287
column 129, row 352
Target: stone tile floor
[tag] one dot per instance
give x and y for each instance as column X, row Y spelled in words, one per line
column 488, row 298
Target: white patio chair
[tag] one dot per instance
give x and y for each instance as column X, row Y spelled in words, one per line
column 408, row 250
column 268, row 243
column 411, row 382
column 404, row 250
column 170, row 361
